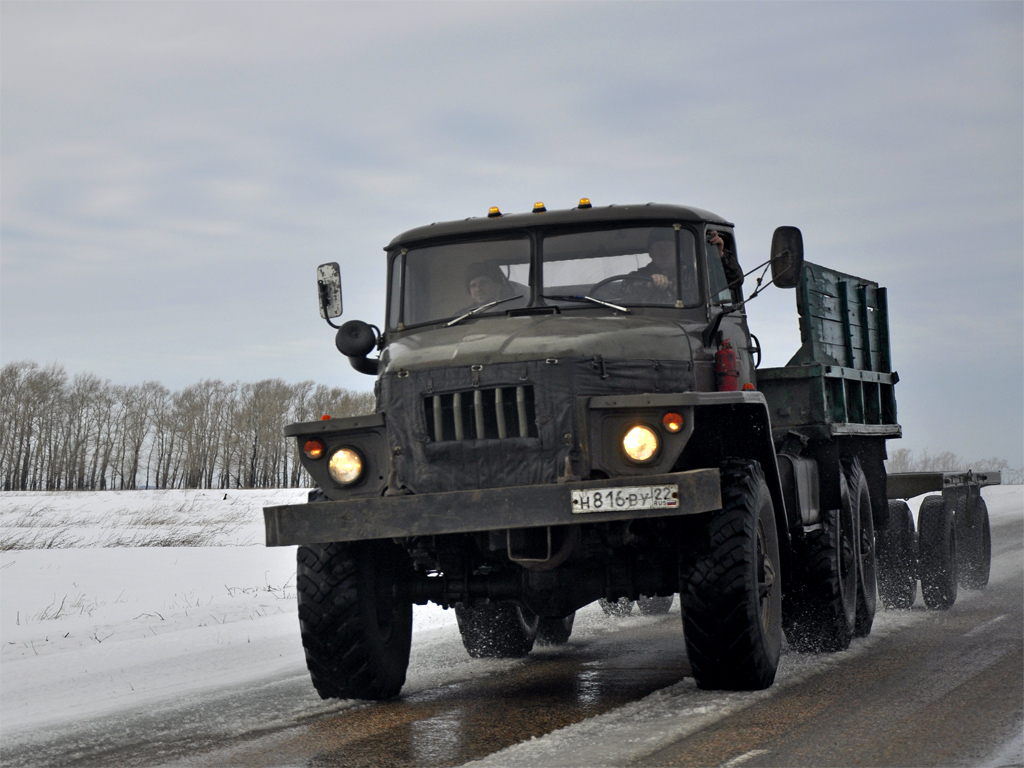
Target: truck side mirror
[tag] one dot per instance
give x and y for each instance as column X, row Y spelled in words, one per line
column 787, row 257
column 328, row 283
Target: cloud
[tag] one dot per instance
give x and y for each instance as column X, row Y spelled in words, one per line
column 173, row 172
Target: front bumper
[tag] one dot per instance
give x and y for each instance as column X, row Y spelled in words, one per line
column 432, row 514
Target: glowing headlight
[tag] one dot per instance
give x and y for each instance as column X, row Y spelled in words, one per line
column 640, row 443
column 346, row 466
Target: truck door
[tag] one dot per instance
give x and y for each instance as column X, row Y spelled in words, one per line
column 725, row 285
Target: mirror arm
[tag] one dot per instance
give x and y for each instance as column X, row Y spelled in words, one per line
column 322, row 286
column 758, row 287
column 380, row 336
column 739, row 280
column 708, row 334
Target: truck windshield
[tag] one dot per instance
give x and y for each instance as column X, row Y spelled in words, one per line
column 445, row 281
column 638, row 266
column 634, row 266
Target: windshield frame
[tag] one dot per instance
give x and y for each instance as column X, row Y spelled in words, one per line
column 679, row 227
column 397, row 271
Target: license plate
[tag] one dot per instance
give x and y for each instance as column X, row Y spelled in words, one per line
column 625, row 499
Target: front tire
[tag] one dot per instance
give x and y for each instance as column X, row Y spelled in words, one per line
column 356, row 630
column 497, row 630
column 730, row 590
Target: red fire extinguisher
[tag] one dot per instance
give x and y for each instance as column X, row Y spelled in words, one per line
column 726, row 373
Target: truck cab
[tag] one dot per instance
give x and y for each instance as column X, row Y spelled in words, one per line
column 623, row 283
column 578, row 309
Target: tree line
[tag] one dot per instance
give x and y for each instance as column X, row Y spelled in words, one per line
column 84, row 433
column 905, row 460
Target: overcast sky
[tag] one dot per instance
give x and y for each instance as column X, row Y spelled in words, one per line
column 172, row 173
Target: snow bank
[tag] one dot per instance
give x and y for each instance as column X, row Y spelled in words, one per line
column 94, row 629
column 87, row 631
column 89, row 626
column 62, row 519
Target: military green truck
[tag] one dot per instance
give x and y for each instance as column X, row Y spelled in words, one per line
column 570, row 408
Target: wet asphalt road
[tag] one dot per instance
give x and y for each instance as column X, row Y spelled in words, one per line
column 939, row 693
column 943, row 690
column 454, row 724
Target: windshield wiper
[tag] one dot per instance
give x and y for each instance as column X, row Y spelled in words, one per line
column 481, row 308
column 585, row 299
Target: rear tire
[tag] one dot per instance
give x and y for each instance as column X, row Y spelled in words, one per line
column 355, row 630
column 497, row 630
column 897, row 569
column 937, row 553
column 555, row 631
column 974, row 541
column 654, row 606
column 621, row 607
column 822, row 605
column 730, row 590
column 859, row 501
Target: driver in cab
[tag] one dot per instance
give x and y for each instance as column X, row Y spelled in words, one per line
column 487, row 283
column 656, row 282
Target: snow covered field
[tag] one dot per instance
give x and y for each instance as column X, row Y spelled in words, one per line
column 97, row 617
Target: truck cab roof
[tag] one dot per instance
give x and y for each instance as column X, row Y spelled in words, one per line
column 579, row 216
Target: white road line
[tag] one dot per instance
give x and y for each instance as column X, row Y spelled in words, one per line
column 740, row 759
column 982, row 627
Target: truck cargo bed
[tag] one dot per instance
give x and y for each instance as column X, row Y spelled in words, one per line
column 840, row 382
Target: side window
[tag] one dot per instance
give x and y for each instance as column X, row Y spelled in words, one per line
column 396, row 291
column 724, row 273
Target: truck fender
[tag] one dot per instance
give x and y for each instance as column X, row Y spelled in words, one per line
column 736, row 424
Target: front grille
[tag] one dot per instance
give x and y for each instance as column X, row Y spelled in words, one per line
column 481, row 414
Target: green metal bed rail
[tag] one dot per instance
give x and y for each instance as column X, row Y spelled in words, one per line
column 840, row 382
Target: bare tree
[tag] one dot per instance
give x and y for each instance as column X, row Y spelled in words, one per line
column 91, row 434
column 904, row 460
column 30, row 396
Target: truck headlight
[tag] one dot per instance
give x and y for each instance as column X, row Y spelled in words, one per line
column 345, row 466
column 640, row 443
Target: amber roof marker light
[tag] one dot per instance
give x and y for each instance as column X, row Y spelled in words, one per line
column 584, row 203
column 539, row 208
column 493, row 212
